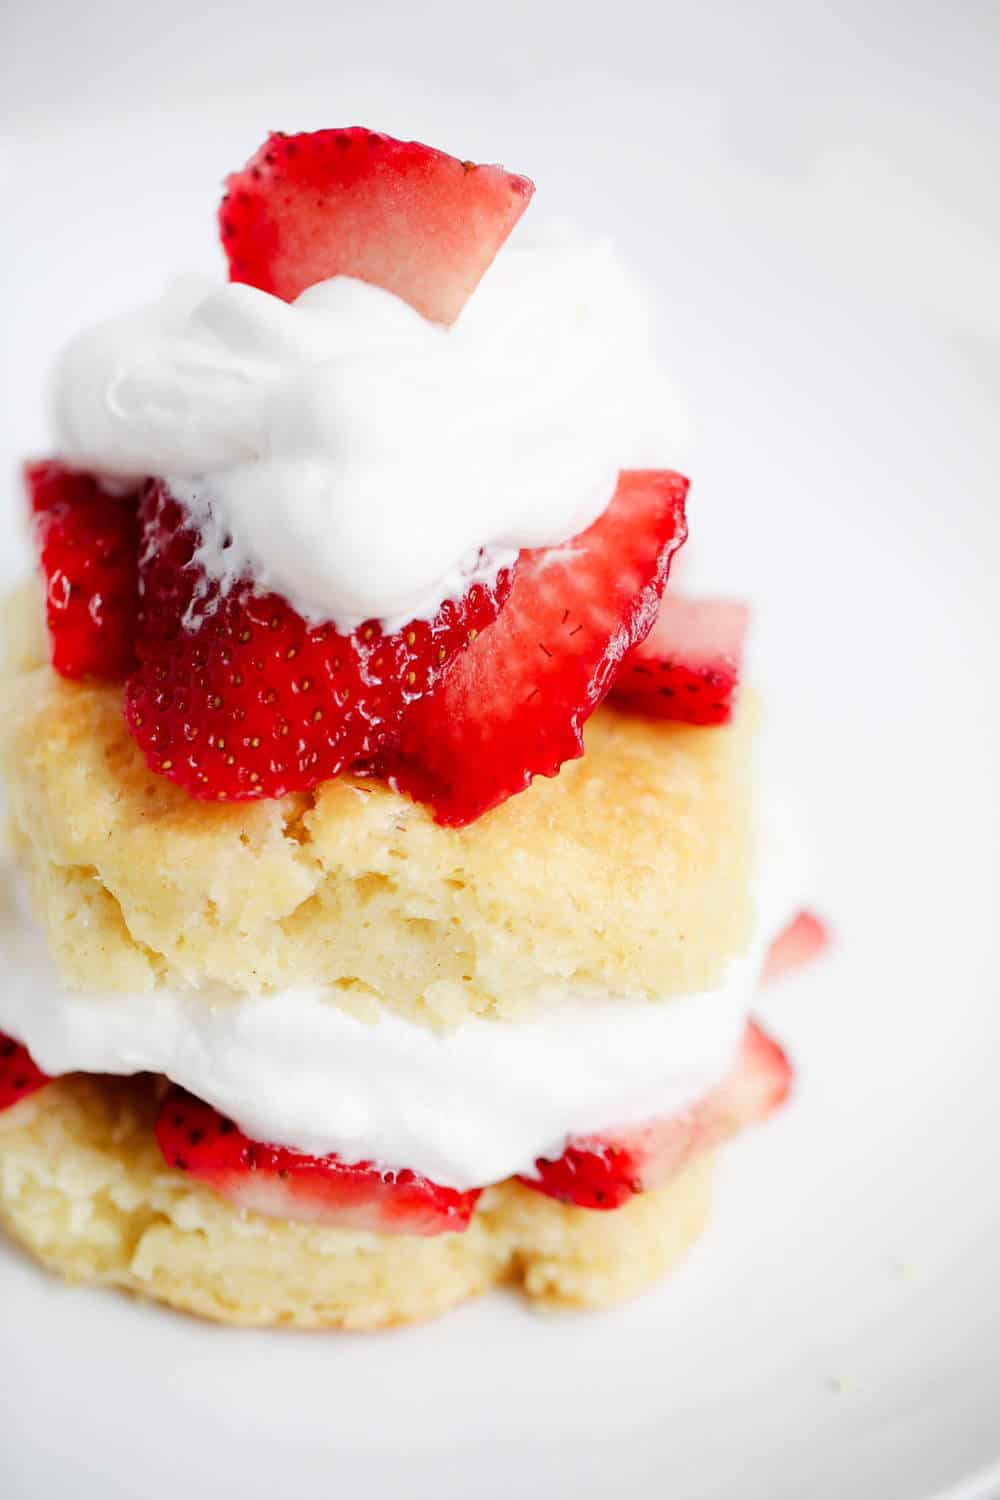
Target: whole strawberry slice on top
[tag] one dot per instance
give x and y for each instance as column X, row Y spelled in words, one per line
column 238, row 698
column 400, row 215
column 87, row 539
column 688, row 667
column 513, row 706
column 283, row 1184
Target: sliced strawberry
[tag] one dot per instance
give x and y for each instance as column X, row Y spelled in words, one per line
column 239, row 698
column 284, row 1184
column 804, row 939
column 605, row 1171
column 688, row 667
column 514, row 705
column 20, row 1075
column 353, row 203
column 88, row 542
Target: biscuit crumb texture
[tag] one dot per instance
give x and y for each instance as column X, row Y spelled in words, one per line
column 627, row 874
column 84, row 1189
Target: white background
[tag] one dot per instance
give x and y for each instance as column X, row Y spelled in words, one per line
column 811, row 193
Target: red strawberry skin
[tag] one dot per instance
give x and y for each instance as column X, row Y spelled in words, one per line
column 19, row 1074
column 252, row 702
column 513, row 706
column 804, row 939
column 88, row 544
column 196, row 1139
column 603, row 1172
column 351, row 202
column 688, row 667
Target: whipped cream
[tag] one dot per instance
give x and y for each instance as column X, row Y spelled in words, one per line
column 359, row 460
column 466, row 1108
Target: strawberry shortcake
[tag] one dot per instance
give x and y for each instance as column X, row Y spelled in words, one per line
column 385, row 894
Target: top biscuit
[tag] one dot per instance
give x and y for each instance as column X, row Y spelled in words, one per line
column 627, row 874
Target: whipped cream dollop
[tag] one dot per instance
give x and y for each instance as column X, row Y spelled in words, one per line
column 359, row 460
column 466, row 1108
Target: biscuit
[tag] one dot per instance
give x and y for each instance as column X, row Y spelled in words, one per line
column 84, row 1189
column 629, row 873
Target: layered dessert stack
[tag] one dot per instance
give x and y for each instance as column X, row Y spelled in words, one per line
column 386, row 898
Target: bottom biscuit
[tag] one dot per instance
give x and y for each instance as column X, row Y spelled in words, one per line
column 84, row 1188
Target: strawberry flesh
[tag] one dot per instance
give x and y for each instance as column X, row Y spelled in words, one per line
column 196, row 1139
column 513, row 706
column 20, row 1075
column 688, row 667
column 397, row 214
column 605, row 1171
column 237, row 697
column 88, row 543
column 804, row 939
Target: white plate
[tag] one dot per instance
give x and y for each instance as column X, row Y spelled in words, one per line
column 813, row 200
